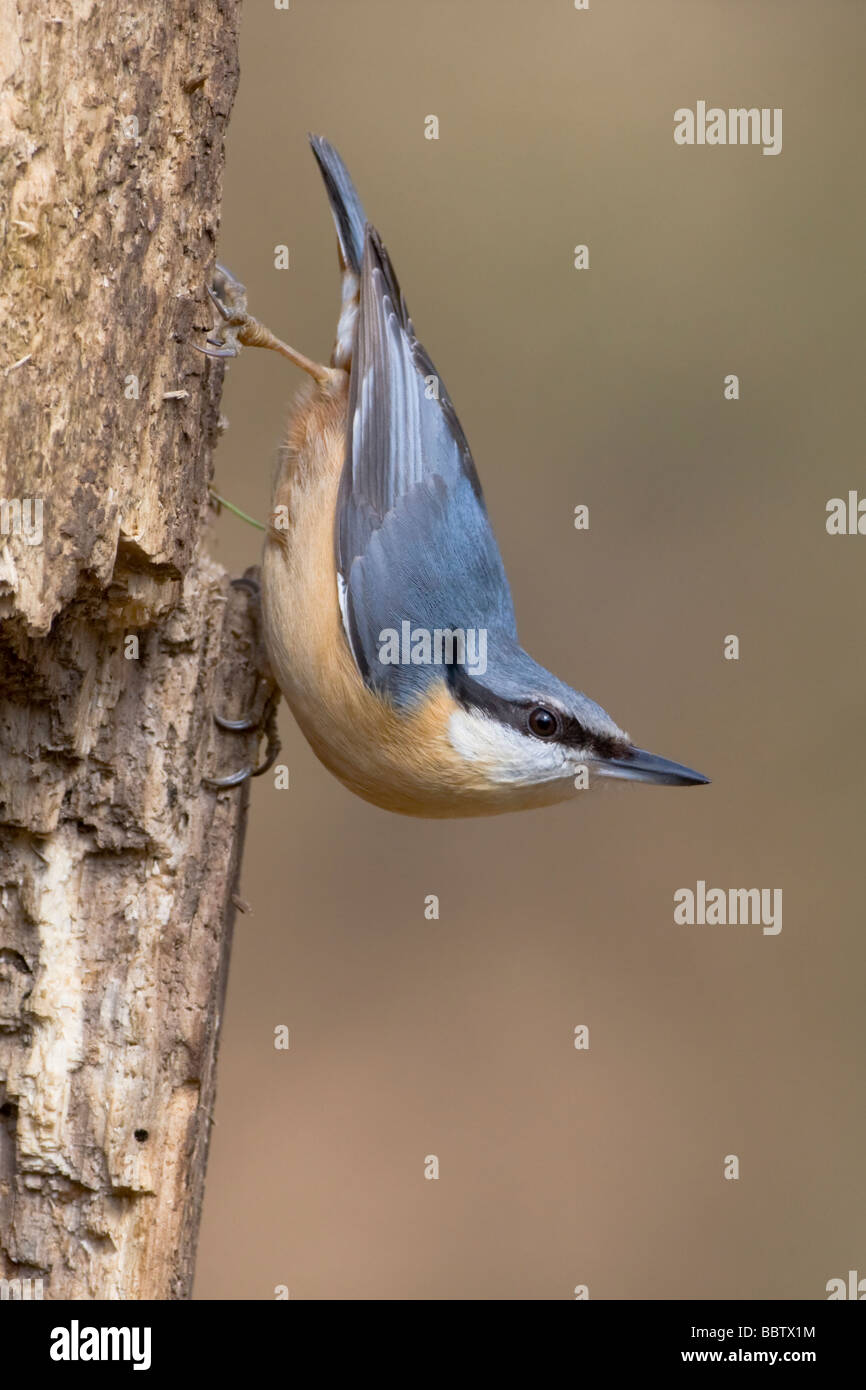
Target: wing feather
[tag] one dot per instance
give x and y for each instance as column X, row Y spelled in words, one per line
column 412, row 536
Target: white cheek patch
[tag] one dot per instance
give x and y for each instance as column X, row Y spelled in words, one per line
column 504, row 754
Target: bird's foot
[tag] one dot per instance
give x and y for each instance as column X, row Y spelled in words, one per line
column 229, row 298
column 266, row 723
column 237, row 328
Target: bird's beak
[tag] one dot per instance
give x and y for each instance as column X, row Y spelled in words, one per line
column 636, row 765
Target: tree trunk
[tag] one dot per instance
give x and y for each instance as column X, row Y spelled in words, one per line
column 119, row 639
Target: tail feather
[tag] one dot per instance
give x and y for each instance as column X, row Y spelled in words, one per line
column 346, row 206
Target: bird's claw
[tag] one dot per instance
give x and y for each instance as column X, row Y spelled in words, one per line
column 266, row 722
column 229, row 298
column 248, row 582
column 237, row 726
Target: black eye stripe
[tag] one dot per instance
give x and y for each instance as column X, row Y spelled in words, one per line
column 472, row 695
column 571, row 731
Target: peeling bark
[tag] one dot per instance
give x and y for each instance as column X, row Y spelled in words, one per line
column 119, row 639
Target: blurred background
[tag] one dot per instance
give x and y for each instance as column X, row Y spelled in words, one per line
column 454, row 1037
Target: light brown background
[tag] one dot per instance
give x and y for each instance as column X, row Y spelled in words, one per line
column 707, row 518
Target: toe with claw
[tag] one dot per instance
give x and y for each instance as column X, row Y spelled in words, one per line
column 266, row 723
column 229, row 298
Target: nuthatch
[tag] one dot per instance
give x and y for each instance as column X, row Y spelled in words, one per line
column 388, row 619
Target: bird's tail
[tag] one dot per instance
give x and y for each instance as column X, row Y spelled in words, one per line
column 349, row 216
column 351, row 222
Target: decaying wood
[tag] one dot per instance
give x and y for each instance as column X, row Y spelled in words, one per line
column 119, row 639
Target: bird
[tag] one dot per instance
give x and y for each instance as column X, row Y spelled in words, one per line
column 387, row 616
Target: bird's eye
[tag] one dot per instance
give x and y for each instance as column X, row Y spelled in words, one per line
column 542, row 722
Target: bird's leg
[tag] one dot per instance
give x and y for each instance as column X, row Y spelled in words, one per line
column 239, row 329
column 266, row 722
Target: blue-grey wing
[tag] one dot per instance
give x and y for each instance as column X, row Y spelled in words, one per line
column 413, row 540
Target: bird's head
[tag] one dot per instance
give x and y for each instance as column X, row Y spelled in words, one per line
column 533, row 737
